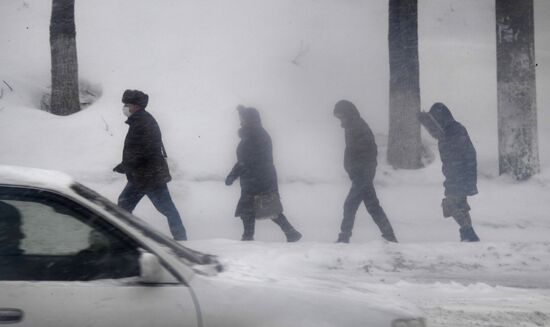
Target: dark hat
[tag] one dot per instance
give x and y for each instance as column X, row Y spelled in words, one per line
column 249, row 114
column 136, row 97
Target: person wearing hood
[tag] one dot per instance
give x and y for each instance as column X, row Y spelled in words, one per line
column 258, row 178
column 459, row 166
column 144, row 163
column 360, row 163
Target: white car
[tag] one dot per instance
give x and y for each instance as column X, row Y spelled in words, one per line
column 69, row 257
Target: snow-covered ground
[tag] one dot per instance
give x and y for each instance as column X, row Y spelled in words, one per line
column 293, row 60
column 491, row 284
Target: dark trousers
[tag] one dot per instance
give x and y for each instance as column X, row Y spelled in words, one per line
column 362, row 190
column 457, row 207
column 161, row 199
column 249, row 224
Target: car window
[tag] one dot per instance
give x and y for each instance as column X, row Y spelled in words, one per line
column 189, row 255
column 44, row 236
column 48, row 231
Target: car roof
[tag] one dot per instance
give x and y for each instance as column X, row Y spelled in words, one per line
column 34, row 177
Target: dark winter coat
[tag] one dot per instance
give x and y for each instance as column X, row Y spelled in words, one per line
column 361, row 150
column 254, row 167
column 143, row 157
column 457, row 152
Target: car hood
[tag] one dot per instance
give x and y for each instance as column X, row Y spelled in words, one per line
column 227, row 302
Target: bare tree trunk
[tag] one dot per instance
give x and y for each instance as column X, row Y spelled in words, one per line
column 404, row 143
column 516, row 83
column 64, row 99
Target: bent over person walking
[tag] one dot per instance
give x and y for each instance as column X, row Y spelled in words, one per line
column 144, row 163
column 360, row 164
column 258, row 178
column 459, row 166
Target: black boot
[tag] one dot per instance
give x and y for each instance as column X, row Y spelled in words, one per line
column 467, row 234
column 179, row 233
column 180, row 237
column 249, row 225
column 343, row 238
column 381, row 220
column 292, row 235
column 390, row 237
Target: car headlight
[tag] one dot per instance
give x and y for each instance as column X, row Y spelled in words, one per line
column 415, row 322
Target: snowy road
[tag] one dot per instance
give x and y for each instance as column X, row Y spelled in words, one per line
column 485, row 284
column 501, row 281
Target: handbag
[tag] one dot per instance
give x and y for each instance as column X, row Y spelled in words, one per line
column 267, row 206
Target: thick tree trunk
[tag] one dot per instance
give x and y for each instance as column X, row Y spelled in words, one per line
column 404, row 143
column 64, row 99
column 517, row 109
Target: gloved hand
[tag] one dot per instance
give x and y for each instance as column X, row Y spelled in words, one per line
column 229, row 180
column 119, row 169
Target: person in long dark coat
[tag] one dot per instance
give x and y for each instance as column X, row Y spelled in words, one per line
column 459, row 165
column 144, row 163
column 257, row 174
column 360, row 163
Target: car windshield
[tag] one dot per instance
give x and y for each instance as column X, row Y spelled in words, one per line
column 190, row 255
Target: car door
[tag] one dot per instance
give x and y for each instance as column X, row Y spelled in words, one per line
column 63, row 265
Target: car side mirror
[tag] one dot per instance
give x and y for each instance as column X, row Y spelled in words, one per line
column 152, row 271
column 150, row 268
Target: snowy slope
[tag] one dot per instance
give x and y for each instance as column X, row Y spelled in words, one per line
column 294, row 60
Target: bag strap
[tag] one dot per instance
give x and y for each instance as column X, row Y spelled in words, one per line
column 163, row 150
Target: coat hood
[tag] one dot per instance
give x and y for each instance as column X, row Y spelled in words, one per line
column 346, row 109
column 441, row 114
column 249, row 115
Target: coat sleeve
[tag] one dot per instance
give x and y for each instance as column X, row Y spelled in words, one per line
column 143, row 144
column 469, row 163
column 235, row 172
column 360, row 151
column 239, row 167
column 462, row 167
